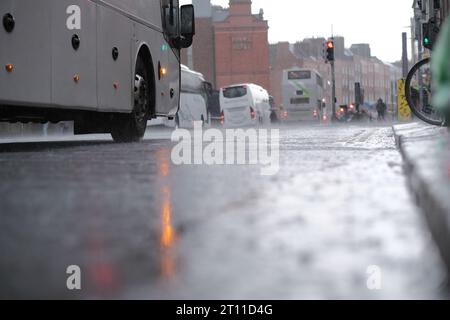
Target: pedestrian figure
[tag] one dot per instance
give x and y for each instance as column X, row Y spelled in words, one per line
column 381, row 109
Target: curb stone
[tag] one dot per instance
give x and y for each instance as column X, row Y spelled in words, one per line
column 426, row 153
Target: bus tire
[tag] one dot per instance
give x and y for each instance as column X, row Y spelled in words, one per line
column 131, row 127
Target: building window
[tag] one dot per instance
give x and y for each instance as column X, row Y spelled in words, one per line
column 241, row 43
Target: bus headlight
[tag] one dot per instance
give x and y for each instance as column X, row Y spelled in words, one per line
column 8, row 22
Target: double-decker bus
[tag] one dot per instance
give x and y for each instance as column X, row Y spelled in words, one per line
column 107, row 65
column 303, row 95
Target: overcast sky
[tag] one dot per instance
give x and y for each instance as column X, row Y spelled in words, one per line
column 379, row 23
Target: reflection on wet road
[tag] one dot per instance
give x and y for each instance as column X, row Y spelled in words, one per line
column 168, row 233
column 140, row 227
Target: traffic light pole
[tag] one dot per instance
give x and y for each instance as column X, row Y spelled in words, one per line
column 333, row 92
column 331, row 59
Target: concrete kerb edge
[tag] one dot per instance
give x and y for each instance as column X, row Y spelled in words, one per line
column 433, row 209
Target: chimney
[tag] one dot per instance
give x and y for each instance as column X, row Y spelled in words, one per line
column 240, row 7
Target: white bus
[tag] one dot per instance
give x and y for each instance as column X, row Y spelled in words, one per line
column 194, row 99
column 107, row 65
column 303, row 95
column 245, row 105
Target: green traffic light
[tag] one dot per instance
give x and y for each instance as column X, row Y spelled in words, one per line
column 426, row 41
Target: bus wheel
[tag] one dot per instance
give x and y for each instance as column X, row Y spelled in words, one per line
column 131, row 127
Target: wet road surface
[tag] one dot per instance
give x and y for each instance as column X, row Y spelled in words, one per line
column 140, row 227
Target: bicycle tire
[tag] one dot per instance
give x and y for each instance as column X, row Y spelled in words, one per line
column 409, row 99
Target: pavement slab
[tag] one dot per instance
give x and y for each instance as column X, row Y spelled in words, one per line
column 426, row 151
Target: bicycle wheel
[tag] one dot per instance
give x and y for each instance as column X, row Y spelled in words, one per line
column 419, row 92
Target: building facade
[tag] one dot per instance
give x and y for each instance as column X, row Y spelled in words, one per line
column 377, row 78
column 200, row 56
column 231, row 44
column 361, row 49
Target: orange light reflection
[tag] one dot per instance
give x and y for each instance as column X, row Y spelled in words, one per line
column 168, row 236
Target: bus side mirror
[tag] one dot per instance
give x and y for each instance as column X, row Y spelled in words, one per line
column 187, row 26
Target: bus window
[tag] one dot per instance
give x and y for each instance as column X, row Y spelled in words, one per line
column 300, row 100
column 299, row 75
column 234, row 92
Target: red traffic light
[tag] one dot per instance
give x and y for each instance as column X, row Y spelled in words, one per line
column 329, row 51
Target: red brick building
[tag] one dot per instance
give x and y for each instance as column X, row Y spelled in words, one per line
column 203, row 51
column 231, row 44
column 200, row 56
column 242, row 47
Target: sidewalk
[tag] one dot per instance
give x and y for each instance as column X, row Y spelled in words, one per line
column 426, row 152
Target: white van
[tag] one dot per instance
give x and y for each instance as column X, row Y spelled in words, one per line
column 244, row 105
column 193, row 100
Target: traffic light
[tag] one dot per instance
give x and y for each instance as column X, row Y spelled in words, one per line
column 330, row 51
column 430, row 33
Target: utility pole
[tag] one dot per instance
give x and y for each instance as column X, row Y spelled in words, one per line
column 414, row 34
column 333, row 91
column 405, row 67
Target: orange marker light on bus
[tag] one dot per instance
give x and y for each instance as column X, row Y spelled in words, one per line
column 9, row 67
column 163, row 71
